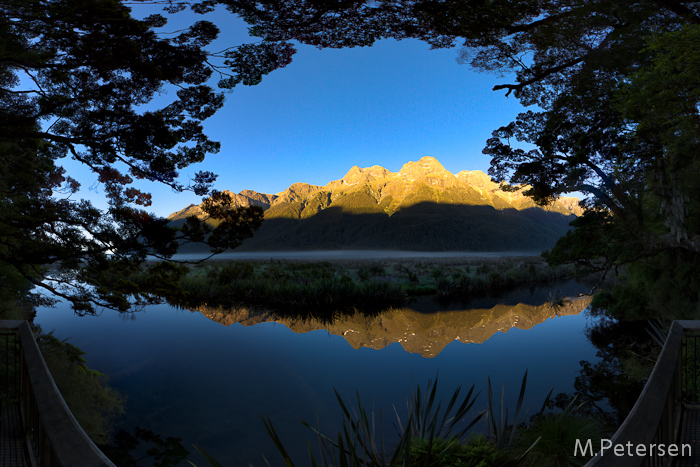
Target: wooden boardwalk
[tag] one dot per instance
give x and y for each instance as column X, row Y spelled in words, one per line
column 12, row 445
column 690, row 434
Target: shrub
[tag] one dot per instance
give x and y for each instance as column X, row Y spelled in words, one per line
column 231, row 272
column 441, row 452
column 446, row 287
column 437, row 273
column 551, row 438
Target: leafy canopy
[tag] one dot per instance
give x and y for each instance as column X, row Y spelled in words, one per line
column 77, row 80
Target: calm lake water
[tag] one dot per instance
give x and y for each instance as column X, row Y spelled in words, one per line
column 207, row 376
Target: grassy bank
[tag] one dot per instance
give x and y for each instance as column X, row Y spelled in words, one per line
column 366, row 285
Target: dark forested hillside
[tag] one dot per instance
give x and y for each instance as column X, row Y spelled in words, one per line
column 424, row 227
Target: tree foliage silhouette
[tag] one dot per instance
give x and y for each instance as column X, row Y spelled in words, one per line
column 75, row 81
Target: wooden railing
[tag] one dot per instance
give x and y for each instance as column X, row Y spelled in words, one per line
column 53, row 436
column 655, row 419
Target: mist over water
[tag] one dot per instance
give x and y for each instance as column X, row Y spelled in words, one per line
column 350, row 255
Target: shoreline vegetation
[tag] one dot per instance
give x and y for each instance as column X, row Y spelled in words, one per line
column 430, row 436
column 322, row 289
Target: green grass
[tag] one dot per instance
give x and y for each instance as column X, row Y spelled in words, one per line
column 328, row 288
column 289, row 287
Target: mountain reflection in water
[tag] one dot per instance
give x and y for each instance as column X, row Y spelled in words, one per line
column 186, row 376
column 418, row 332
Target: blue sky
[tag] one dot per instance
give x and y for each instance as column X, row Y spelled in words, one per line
column 332, row 109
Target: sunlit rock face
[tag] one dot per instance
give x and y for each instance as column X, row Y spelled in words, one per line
column 243, row 199
column 376, row 189
column 424, row 333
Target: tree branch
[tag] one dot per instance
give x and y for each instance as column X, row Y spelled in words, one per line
column 679, row 9
column 601, row 195
column 539, row 76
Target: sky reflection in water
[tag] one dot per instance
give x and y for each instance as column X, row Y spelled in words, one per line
column 187, row 376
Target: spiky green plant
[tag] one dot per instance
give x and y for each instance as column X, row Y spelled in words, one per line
column 361, row 443
column 657, row 331
column 207, row 456
column 501, row 430
column 426, row 421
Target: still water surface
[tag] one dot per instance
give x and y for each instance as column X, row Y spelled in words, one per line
column 186, row 375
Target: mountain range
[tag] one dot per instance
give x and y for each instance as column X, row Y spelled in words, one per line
column 422, row 207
